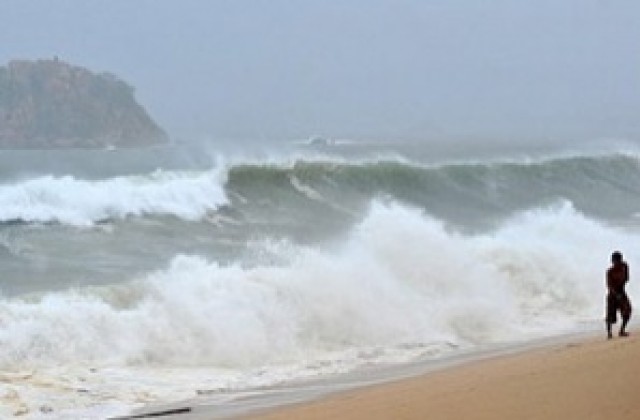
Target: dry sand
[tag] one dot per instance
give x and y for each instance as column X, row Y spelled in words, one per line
column 593, row 379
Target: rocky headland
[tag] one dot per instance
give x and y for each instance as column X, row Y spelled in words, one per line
column 48, row 104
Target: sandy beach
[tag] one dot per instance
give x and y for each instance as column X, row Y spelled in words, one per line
column 581, row 379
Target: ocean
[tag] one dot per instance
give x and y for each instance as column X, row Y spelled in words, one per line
column 133, row 277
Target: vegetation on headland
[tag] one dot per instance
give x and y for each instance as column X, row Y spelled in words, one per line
column 51, row 104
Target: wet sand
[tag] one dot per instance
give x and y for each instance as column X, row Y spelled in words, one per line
column 580, row 379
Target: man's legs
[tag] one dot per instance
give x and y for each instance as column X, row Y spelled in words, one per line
column 612, row 314
column 625, row 314
column 622, row 332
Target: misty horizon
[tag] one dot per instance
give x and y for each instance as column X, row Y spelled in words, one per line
column 381, row 70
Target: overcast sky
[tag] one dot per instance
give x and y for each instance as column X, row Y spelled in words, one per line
column 393, row 69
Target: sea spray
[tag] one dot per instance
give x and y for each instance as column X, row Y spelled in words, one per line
column 400, row 277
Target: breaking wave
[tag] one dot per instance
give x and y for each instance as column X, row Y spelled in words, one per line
column 77, row 202
column 400, row 277
column 605, row 186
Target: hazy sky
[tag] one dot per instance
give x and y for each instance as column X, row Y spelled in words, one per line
column 418, row 69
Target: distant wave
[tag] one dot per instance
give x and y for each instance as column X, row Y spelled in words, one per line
column 77, row 202
column 605, row 186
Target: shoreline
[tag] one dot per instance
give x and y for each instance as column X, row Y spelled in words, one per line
column 588, row 378
column 269, row 402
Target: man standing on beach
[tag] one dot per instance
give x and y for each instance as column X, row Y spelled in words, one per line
column 617, row 299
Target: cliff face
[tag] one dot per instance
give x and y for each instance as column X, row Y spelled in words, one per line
column 51, row 104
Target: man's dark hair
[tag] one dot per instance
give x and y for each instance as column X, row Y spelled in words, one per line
column 616, row 256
